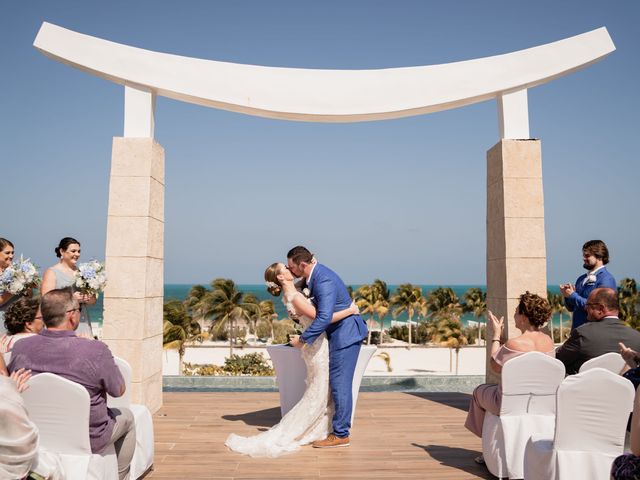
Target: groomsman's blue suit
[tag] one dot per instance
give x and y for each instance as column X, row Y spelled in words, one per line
column 577, row 300
column 329, row 295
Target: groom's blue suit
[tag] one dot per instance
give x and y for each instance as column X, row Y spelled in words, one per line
column 329, row 295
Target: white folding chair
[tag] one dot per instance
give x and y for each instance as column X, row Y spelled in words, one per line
column 60, row 410
column 611, row 361
column 143, row 455
column 529, row 385
column 591, row 418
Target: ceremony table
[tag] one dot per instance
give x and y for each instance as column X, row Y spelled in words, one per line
column 291, row 373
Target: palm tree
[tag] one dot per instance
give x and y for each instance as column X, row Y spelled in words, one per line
column 179, row 328
column 366, row 298
column 382, row 309
column 556, row 302
column 268, row 313
column 382, row 305
column 628, row 298
column 443, row 301
column 193, row 300
column 447, row 331
column 254, row 315
column 226, row 305
column 406, row 299
column 351, row 292
column 475, row 302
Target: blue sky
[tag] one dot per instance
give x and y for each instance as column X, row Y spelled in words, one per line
column 402, row 200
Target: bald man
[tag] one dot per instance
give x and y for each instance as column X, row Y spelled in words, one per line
column 601, row 334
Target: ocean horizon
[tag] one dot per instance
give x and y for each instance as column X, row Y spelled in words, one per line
column 179, row 291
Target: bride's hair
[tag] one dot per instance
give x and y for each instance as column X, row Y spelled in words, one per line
column 271, row 277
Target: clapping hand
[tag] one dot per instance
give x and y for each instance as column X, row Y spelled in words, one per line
column 495, row 326
column 21, row 376
column 567, row 289
column 630, row 356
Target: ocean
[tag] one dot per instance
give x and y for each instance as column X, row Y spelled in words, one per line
column 180, row 291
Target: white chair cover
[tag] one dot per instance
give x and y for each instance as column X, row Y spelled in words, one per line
column 611, row 361
column 60, row 410
column 18, row 434
column 144, row 452
column 291, row 373
column 591, row 418
column 529, row 385
column 125, row 399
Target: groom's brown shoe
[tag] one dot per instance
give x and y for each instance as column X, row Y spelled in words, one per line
column 331, row 442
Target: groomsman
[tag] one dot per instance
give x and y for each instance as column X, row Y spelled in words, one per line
column 595, row 256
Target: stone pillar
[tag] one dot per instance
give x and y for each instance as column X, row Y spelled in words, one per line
column 134, row 262
column 516, row 252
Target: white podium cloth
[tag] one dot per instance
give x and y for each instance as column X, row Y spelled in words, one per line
column 591, row 418
column 143, row 454
column 529, row 385
column 291, row 373
column 611, row 361
column 60, row 410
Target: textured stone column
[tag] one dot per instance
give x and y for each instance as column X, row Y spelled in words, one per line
column 516, row 252
column 134, row 262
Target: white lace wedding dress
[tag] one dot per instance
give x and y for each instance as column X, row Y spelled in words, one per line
column 308, row 421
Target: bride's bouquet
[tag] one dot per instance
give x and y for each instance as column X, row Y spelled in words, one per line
column 91, row 277
column 19, row 277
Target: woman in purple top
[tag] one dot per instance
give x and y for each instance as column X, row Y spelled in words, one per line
column 531, row 314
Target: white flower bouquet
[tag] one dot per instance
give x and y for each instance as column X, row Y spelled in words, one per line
column 91, row 277
column 19, row 277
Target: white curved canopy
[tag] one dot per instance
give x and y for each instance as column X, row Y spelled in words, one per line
column 323, row 95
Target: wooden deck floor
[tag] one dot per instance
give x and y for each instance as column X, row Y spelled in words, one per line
column 396, row 436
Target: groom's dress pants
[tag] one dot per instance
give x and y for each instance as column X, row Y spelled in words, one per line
column 342, row 365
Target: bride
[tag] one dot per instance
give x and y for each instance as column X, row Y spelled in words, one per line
column 310, row 419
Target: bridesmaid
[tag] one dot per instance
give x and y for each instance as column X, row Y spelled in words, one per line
column 63, row 275
column 6, row 299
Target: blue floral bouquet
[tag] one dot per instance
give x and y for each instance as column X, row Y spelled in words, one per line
column 91, row 277
column 19, row 277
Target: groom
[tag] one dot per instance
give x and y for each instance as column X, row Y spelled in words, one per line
column 330, row 295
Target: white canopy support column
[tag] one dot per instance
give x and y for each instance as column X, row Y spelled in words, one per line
column 139, row 112
column 513, row 115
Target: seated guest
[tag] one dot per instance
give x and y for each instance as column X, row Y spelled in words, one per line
column 627, row 467
column 531, row 314
column 601, row 334
column 631, row 371
column 18, row 435
column 3, row 368
column 88, row 362
column 21, row 320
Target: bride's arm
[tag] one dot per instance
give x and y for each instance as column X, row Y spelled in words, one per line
column 306, row 308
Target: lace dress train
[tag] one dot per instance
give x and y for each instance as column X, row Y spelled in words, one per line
column 309, row 420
